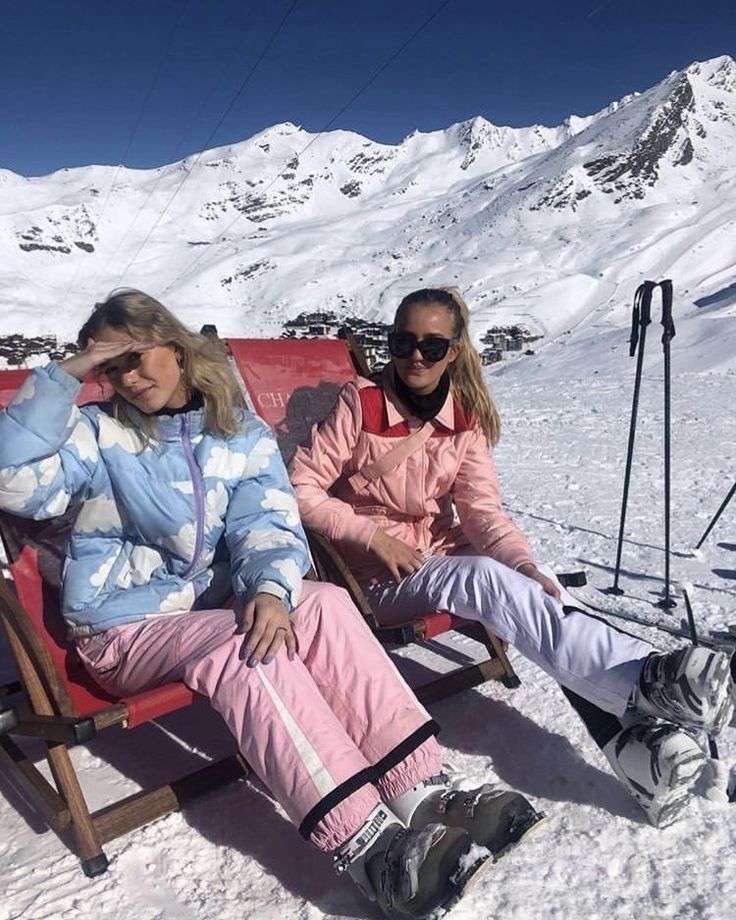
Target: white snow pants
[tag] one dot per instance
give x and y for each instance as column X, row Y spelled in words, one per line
column 582, row 653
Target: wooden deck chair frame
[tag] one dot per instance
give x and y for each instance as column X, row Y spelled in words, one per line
column 64, row 708
column 331, row 567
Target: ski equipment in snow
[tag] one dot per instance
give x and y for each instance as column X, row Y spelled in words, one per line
column 411, row 872
column 718, row 513
column 586, row 604
column 657, row 762
column 496, row 818
column 689, row 686
column 640, row 319
column 712, row 745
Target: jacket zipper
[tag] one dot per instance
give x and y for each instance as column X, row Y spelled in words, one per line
column 423, row 486
column 198, row 484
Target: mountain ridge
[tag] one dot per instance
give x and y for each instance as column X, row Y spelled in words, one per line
column 288, row 221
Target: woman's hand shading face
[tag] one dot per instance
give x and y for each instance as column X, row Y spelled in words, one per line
column 146, row 374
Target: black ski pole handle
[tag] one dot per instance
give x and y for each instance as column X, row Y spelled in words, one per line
column 641, row 315
column 668, row 323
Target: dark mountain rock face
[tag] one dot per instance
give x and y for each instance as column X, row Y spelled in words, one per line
column 628, row 175
column 59, row 234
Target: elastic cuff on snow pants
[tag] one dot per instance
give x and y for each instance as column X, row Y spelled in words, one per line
column 369, row 775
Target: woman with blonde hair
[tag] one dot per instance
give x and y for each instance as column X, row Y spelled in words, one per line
column 402, row 478
column 185, row 563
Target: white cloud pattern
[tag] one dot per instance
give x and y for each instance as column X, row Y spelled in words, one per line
column 98, row 513
column 216, row 502
column 178, row 601
column 183, row 543
column 97, row 579
column 270, row 539
column 48, row 469
column 224, row 464
column 73, row 417
column 57, row 504
column 290, row 572
column 283, row 503
column 17, row 487
column 83, row 442
column 112, row 433
column 26, row 391
column 142, row 563
column 259, row 458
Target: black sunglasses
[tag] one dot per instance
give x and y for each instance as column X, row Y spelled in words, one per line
column 404, row 344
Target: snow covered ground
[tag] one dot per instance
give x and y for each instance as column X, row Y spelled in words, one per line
column 553, row 228
column 234, row 855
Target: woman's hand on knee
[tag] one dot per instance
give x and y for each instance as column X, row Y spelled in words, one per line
column 399, row 558
column 267, row 627
column 550, row 587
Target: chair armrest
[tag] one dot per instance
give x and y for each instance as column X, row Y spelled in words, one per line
column 69, row 730
column 332, row 567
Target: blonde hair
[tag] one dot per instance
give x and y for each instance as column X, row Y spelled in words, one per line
column 203, row 359
column 466, row 375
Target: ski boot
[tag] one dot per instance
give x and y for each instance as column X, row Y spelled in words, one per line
column 411, row 873
column 495, row 818
column 690, row 686
column 657, row 762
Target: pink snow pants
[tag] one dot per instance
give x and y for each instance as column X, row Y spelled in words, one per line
column 331, row 733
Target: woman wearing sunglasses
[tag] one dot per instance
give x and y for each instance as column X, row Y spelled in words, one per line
column 402, row 478
column 185, row 563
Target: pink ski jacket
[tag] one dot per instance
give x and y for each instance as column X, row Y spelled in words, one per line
column 414, row 500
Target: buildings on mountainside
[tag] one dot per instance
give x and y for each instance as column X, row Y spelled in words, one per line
column 371, row 336
column 15, row 349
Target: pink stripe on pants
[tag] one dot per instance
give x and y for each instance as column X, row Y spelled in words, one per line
column 304, row 726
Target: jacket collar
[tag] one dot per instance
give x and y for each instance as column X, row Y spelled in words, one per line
column 398, row 412
column 170, row 427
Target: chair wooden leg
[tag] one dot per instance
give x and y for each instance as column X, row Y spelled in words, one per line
column 458, row 680
column 510, row 678
column 87, row 840
column 496, row 649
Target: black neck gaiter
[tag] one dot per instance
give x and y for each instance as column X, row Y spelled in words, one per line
column 423, row 407
column 195, row 402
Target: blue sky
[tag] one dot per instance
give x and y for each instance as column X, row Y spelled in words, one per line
column 145, row 82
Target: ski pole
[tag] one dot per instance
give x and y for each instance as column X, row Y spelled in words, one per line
column 641, row 317
column 717, row 515
column 668, row 333
column 712, row 746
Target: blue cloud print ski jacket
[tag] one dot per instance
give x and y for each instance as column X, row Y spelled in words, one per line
column 151, row 511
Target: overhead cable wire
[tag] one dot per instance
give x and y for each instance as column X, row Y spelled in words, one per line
column 136, row 128
column 212, row 134
column 163, row 172
column 316, row 137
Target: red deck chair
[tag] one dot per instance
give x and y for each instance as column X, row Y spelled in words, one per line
column 293, row 383
column 65, row 706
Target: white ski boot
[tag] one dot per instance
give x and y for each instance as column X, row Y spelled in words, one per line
column 657, row 762
column 690, row 686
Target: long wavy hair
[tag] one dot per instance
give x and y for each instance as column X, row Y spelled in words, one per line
column 204, row 362
column 466, row 375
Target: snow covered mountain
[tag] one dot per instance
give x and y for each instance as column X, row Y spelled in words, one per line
column 551, row 227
